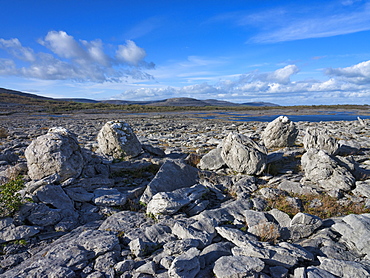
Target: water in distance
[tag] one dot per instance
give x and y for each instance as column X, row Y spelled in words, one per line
column 330, row 116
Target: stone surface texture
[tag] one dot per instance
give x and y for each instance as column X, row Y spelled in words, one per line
column 56, row 152
column 117, row 139
column 280, row 133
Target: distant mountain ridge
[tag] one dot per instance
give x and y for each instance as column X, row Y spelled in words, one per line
column 180, row 101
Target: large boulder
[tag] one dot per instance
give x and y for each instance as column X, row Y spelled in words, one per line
column 323, row 170
column 172, row 175
column 243, row 155
column 118, row 140
column 56, row 152
column 280, row 133
column 321, row 140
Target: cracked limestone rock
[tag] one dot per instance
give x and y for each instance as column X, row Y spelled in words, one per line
column 56, row 152
column 323, row 170
column 321, row 140
column 280, row 133
column 118, row 140
column 243, row 155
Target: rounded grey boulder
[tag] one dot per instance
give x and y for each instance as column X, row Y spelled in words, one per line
column 56, row 152
column 280, row 133
column 243, row 155
column 118, row 140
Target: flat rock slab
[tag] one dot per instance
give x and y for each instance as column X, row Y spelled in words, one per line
column 169, row 203
column 237, row 266
column 108, row 197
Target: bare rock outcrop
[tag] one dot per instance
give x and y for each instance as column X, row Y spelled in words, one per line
column 280, row 133
column 56, row 152
column 323, row 170
column 321, row 140
column 243, row 155
column 117, row 139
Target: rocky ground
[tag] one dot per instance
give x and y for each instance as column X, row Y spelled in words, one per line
column 172, row 195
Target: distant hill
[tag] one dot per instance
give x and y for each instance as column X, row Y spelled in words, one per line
column 81, row 100
column 260, row 104
column 7, row 91
column 178, row 102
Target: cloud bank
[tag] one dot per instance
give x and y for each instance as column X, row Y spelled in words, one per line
column 343, row 84
column 71, row 59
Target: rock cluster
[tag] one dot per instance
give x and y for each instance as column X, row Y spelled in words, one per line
column 120, row 206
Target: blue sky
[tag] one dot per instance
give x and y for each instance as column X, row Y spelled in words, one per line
column 285, row 52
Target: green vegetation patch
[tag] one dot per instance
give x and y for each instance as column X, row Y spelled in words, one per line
column 10, row 200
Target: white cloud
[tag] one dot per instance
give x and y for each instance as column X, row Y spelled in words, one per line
column 14, row 47
column 130, row 53
column 273, row 86
column 283, row 75
column 63, row 45
column 76, row 60
column 359, row 73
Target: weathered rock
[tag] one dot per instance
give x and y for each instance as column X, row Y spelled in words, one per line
column 57, row 152
column 141, row 248
column 321, row 140
column 243, row 187
column 13, row 232
column 186, row 265
column 320, row 168
column 98, row 241
column 315, row 272
column 213, row 252
column 278, row 272
column 243, row 155
column 147, row 268
column 237, row 266
column 79, row 194
column 237, row 237
column 230, row 212
column 172, row 175
column 280, row 217
column 345, row 269
column 362, row 188
column 280, row 133
column 108, row 197
column 117, row 139
column 177, row 247
column 159, row 234
column 302, row 225
column 212, row 160
column 253, row 218
column 42, row 215
column 153, row 150
column 125, row 221
column 190, row 228
column 171, row 202
column 123, row 266
column 54, row 195
column 355, row 231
